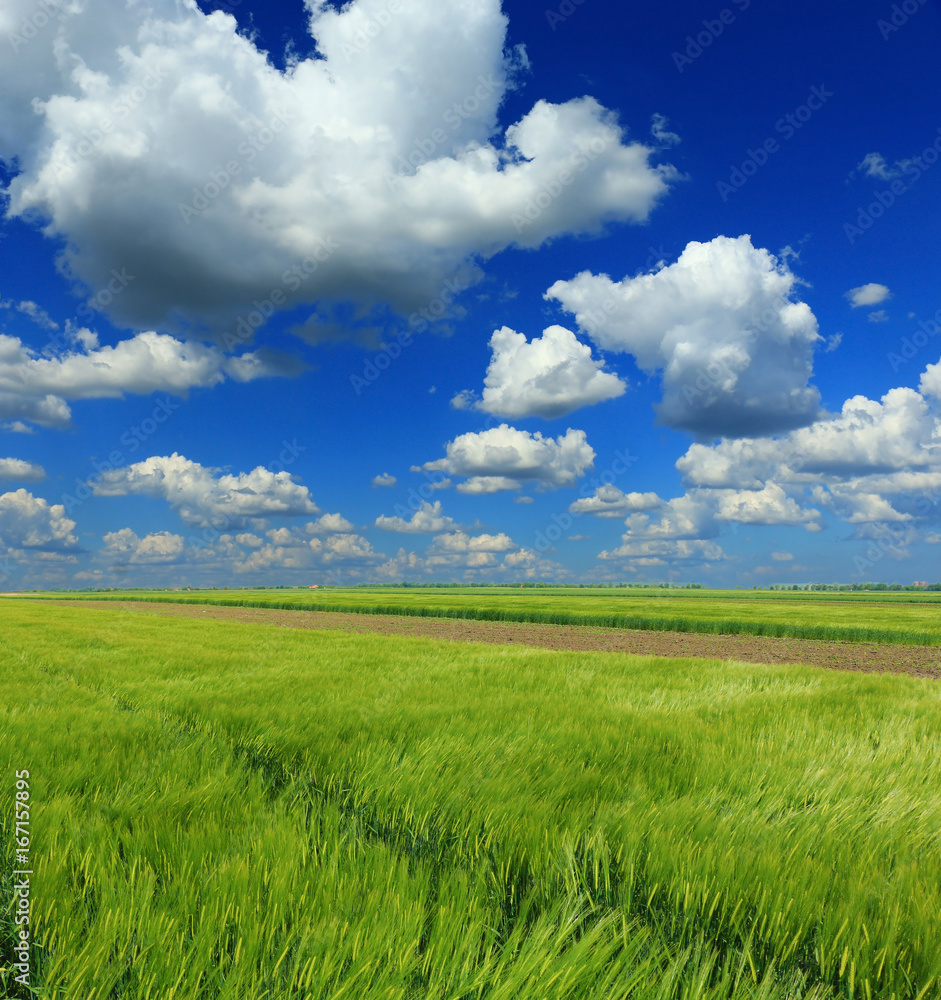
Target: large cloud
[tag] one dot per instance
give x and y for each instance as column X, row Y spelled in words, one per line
column 35, row 388
column 29, row 522
column 875, row 462
column 548, row 377
column 682, row 531
column 159, row 142
column 769, row 505
column 721, row 324
column 867, row 437
column 202, row 498
column 503, row 458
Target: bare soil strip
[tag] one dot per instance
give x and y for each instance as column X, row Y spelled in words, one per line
column 918, row 661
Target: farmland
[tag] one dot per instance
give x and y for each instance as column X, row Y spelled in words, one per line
column 240, row 811
column 910, row 617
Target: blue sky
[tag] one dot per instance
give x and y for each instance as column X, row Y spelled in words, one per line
column 432, row 290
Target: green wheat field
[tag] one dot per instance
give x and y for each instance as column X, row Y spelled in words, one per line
column 224, row 810
column 909, row 617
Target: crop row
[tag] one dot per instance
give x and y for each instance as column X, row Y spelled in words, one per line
column 518, row 612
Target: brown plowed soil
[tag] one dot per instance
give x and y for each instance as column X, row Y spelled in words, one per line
column 919, row 661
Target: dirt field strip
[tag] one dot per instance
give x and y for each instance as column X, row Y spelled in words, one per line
column 918, row 661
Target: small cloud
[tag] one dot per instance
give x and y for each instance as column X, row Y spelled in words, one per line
column 427, row 519
column 38, row 315
column 578, row 538
column 503, row 458
column 868, row 295
column 17, row 427
column 660, row 132
column 522, row 499
column 464, row 400
column 432, row 390
column 874, row 165
column 550, row 376
column 385, row 479
column 782, row 556
column 329, row 524
column 879, row 316
column 833, row 342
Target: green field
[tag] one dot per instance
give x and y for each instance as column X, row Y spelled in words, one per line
column 864, row 617
column 247, row 812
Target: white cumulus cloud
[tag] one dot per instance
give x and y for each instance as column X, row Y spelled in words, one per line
column 124, row 547
column 550, row 376
column 328, row 524
column 769, row 505
column 609, row 501
column 203, row 497
column 160, row 139
column 18, row 470
column 722, row 325
column 459, row 541
column 35, row 388
column 30, row 522
column 876, row 462
column 503, row 458
column 868, row 295
column 427, row 519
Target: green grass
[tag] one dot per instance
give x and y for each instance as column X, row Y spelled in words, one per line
column 907, row 619
column 225, row 810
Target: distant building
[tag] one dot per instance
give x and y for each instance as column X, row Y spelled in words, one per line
column 920, row 583
column 313, row 586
